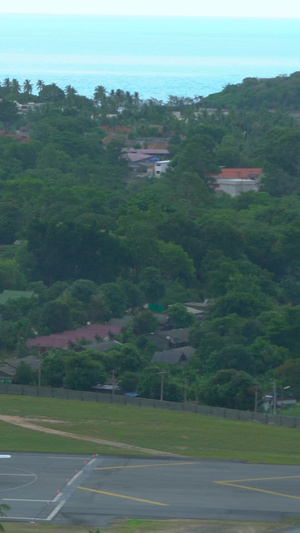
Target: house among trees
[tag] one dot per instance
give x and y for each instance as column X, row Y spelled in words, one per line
column 9, row 368
column 142, row 160
column 174, row 356
column 234, row 181
column 67, row 338
column 172, row 338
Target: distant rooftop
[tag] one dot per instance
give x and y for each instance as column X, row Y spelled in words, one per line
column 61, row 340
column 174, row 356
column 239, row 173
column 149, row 151
column 14, row 295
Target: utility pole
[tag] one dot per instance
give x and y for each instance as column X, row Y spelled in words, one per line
column 113, row 382
column 185, row 390
column 162, row 374
column 274, row 398
column 162, row 387
column 256, row 394
column 39, row 377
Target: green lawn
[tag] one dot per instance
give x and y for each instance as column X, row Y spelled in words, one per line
column 153, row 526
column 177, row 432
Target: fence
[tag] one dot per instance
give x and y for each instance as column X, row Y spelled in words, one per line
column 84, row 396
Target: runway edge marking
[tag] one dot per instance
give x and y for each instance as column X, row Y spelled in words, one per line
column 68, row 485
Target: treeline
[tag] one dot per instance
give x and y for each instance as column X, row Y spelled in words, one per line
column 281, row 92
column 91, row 245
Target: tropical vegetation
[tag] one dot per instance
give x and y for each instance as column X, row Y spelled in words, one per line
column 92, row 243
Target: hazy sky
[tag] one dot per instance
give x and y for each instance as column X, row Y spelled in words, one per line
column 221, row 8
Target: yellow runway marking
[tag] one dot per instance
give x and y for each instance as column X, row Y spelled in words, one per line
column 141, row 466
column 122, row 496
column 257, row 479
column 236, row 483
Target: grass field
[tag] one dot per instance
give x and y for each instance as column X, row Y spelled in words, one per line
column 169, row 431
column 155, row 526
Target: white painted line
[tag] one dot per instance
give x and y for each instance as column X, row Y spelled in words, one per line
column 55, row 511
column 22, row 518
column 23, row 500
column 57, row 497
column 80, row 472
column 5, row 456
column 17, row 475
column 74, row 478
column 64, row 457
column 15, row 518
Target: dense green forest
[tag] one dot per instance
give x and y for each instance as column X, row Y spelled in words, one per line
column 93, row 244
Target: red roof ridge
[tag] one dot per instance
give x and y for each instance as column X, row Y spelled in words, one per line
column 58, row 340
column 239, row 173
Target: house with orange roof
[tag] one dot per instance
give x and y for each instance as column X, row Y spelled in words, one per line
column 234, row 181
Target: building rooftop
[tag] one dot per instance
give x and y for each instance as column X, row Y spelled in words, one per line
column 61, row 340
column 239, row 173
column 13, row 295
column 174, row 356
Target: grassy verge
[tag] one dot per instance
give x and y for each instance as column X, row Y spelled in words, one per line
column 151, row 526
column 182, row 433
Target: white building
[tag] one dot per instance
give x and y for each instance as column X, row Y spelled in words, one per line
column 160, row 167
column 234, row 187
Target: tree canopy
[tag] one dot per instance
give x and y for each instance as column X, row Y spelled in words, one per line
column 95, row 239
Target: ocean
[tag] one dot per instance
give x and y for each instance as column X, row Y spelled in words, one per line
column 155, row 56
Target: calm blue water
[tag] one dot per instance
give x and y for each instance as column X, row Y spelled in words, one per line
column 156, row 56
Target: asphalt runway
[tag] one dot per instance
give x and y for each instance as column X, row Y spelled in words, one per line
column 94, row 490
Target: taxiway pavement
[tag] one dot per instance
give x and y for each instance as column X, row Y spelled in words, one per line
column 94, row 490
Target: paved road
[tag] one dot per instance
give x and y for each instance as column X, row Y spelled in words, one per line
column 92, row 491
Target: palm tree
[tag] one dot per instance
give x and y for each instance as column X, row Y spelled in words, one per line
column 136, row 100
column 70, row 92
column 27, row 87
column 40, row 85
column 7, row 84
column 128, row 100
column 15, row 86
column 100, row 94
column 119, row 97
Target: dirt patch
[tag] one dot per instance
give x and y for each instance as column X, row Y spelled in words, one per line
column 27, row 423
column 47, row 420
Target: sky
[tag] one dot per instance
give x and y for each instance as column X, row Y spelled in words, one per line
column 216, row 8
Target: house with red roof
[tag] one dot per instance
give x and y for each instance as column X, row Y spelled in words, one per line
column 234, row 181
column 67, row 338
